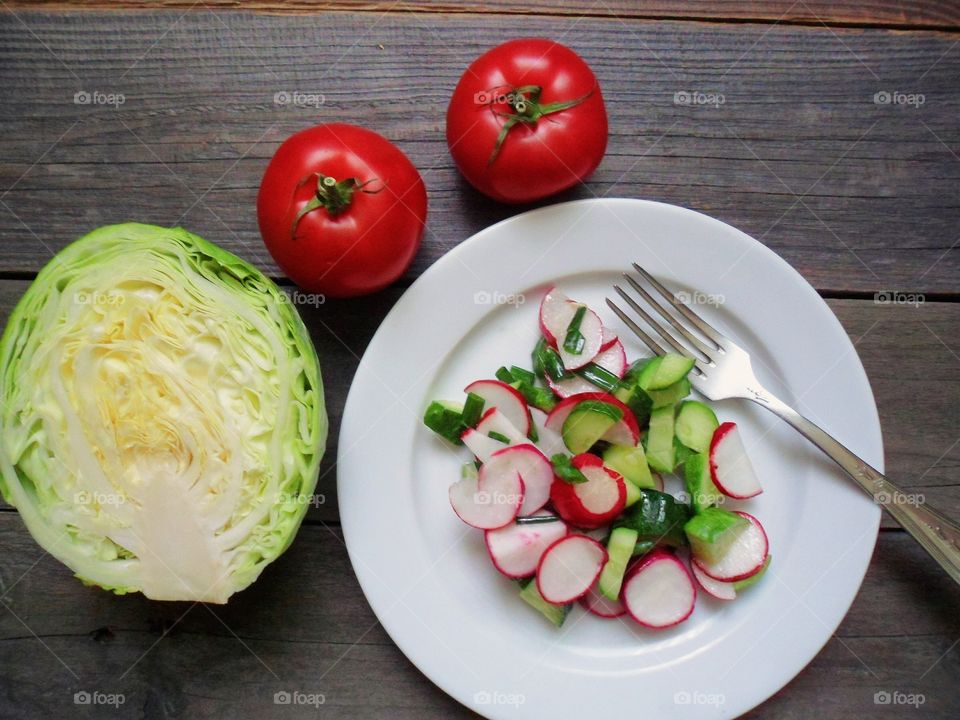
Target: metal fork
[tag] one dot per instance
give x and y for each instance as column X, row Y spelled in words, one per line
column 722, row 369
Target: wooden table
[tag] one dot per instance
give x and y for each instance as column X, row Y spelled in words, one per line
column 860, row 196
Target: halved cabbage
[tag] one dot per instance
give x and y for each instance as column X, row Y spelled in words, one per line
column 163, row 417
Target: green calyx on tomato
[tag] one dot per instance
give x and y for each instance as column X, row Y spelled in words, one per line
column 525, row 107
column 332, row 195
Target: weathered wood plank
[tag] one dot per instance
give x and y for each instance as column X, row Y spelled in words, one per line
column 910, row 355
column 305, row 627
column 876, row 209
column 903, row 13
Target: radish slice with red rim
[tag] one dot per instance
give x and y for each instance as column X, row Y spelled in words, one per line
column 508, row 400
column 569, row 568
column 516, row 549
column 715, row 588
column 482, row 446
column 613, row 359
column 608, row 339
column 730, row 466
column 534, row 469
column 590, row 331
column 554, row 313
column 489, row 501
column 599, row 604
column 494, row 420
column 745, row 557
column 658, row 591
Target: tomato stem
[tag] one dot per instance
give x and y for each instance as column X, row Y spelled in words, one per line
column 524, row 107
column 332, row 195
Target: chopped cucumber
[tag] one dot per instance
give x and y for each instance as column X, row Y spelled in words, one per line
column 620, row 548
column 670, row 395
column 633, row 493
column 659, row 440
column 633, row 372
column 696, row 474
column 554, row 613
column 712, row 531
column 587, row 423
column 637, row 399
column 659, row 518
column 631, row 462
column 468, row 471
column 663, row 371
column 695, row 425
column 446, row 420
column 680, row 453
column 752, row 580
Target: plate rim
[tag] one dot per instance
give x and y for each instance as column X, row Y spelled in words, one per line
column 871, row 423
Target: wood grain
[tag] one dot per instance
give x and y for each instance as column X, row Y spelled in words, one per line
column 882, row 13
column 189, row 144
column 305, row 627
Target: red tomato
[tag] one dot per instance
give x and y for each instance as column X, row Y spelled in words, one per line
column 341, row 210
column 527, row 120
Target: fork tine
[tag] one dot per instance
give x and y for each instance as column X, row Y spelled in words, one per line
column 698, row 322
column 662, row 331
column 669, row 317
column 647, row 340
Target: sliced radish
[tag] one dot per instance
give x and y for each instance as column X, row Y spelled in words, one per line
column 591, row 328
column 624, row 432
column 594, row 503
column 730, row 467
column 548, row 440
column 534, row 469
column 516, row 549
column 599, row 604
column 494, row 420
column 717, row 588
column 554, row 313
column 489, row 501
column 480, row 444
column 508, row 400
column 614, row 359
column 569, row 568
column 744, row 558
column 658, row 591
column 608, row 339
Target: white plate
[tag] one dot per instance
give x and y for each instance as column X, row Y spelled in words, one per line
column 427, row 576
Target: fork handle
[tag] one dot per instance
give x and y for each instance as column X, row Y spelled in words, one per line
column 935, row 532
